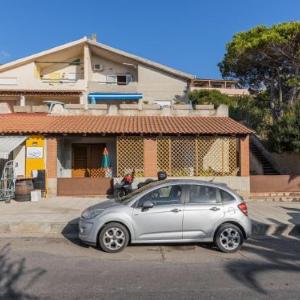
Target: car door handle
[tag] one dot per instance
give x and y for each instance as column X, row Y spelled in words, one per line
column 215, row 208
column 175, row 210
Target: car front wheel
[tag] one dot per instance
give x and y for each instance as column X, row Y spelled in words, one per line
column 229, row 238
column 114, row 237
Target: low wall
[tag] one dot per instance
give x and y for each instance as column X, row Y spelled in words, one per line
column 240, row 184
column 84, row 186
column 138, row 109
column 274, row 183
column 102, row 186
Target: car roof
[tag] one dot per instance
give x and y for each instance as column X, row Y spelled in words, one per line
column 187, row 181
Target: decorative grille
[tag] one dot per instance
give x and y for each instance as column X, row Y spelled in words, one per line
column 130, row 155
column 181, row 156
column 176, row 155
column 202, row 156
column 164, row 154
column 217, row 156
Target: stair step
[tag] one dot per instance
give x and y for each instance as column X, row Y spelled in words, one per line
column 276, row 196
column 268, row 169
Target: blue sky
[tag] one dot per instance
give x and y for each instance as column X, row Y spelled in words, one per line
column 189, row 35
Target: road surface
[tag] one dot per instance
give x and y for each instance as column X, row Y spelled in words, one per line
column 39, row 268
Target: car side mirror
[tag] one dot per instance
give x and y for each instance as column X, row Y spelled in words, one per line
column 147, row 204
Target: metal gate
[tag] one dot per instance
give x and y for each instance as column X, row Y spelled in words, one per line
column 7, row 181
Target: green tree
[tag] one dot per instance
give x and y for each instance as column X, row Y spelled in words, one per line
column 267, row 59
column 284, row 135
column 209, row 97
column 254, row 112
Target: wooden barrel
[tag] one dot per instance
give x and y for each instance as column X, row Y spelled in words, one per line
column 23, row 190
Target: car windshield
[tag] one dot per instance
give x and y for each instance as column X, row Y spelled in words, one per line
column 126, row 199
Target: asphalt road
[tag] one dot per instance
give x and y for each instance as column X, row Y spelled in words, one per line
column 38, row 268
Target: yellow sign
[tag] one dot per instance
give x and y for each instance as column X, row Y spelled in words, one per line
column 35, row 154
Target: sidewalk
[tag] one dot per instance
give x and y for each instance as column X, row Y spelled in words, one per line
column 50, row 217
column 59, row 216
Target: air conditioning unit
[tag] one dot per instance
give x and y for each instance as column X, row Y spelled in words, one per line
column 98, row 67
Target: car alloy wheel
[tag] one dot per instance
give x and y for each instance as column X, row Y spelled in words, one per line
column 229, row 238
column 113, row 237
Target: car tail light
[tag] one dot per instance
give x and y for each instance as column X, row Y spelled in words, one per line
column 243, row 208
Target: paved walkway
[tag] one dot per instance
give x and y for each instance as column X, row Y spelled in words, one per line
column 51, row 217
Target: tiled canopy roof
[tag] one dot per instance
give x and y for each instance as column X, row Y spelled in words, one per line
column 45, row 124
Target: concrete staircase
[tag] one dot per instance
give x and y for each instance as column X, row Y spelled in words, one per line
column 268, row 169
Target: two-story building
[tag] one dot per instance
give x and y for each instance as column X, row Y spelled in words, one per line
column 62, row 109
column 88, row 72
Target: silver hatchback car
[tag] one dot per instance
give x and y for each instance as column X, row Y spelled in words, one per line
column 169, row 211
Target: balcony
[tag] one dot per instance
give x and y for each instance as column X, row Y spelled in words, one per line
column 94, row 86
column 227, row 91
column 227, row 87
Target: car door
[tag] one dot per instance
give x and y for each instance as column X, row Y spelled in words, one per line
column 203, row 209
column 164, row 220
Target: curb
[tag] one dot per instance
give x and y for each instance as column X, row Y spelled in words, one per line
column 70, row 230
column 33, row 229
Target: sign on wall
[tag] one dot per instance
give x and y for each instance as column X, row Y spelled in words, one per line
column 35, row 152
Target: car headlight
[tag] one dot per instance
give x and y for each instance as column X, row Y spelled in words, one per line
column 91, row 213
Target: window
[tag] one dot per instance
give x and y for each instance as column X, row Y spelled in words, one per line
column 203, row 194
column 226, row 196
column 119, row 79
column 163, row 196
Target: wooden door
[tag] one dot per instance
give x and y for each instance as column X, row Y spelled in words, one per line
column 79, row 165
column 95, row 160
column 87, row 160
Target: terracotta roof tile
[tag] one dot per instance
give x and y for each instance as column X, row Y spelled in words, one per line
column 46, row 124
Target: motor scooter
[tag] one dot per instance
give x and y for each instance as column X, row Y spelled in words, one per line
column 125, row 186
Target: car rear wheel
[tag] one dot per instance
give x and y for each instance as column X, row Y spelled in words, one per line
column 114, row 237
column 229, row 238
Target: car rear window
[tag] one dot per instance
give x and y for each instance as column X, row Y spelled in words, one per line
column 226, row 197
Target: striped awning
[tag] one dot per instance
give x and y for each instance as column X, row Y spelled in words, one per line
column 9, row 143
column 94, row 97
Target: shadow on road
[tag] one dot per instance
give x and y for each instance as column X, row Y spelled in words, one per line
column 70, row 232
column 15, row 277
column 275, row 253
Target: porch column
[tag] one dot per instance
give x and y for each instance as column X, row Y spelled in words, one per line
column 22, row 100
column 84, row 100
column 244, row 156
column 52, row 166
column 150, row 157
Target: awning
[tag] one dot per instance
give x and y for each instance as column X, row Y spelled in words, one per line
column 94, row 97
column 9, row 143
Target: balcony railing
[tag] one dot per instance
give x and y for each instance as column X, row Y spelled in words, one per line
column 227, row 91
column 95, row 86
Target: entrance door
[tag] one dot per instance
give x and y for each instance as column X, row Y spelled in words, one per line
column 87, row 160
